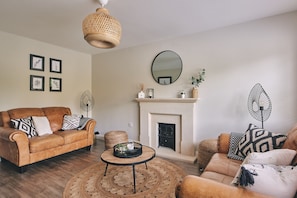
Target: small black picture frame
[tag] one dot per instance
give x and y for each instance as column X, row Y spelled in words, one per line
column 165, row 80
column 55, row 65
column 55, row 84
column 36, row 62
column 36, row 83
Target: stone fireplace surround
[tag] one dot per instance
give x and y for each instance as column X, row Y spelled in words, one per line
column 178, row 111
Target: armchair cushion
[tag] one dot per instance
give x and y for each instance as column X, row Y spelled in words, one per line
column 257, row 139
column 276, row 181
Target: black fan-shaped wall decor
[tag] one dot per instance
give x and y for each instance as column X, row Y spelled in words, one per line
column 259, row 104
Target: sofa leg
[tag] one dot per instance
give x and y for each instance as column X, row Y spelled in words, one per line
column 22, row 169
column 88, row 148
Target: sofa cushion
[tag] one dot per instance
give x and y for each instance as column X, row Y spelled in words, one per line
column 220, row 163
column 257, row 139
column 225, row 179
column 70, row 122
column 70, row 136
column 42, row 125
column 25, row 112
column 41, row 143
column 276, row 181
column 26, row 125
column 55, row 115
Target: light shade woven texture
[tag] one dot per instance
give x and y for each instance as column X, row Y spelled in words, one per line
column 102, row 30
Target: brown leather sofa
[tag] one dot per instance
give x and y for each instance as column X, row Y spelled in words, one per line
column 216, row 178
column 20, row 150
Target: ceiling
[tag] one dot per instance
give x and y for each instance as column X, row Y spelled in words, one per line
column 58, row 22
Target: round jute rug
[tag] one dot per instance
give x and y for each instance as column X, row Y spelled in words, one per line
column 159, row 180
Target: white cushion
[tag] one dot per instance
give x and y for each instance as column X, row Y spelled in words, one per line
column 42, row 125
column 276, row 157
column 276, row 181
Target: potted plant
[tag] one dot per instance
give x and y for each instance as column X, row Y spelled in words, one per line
column 196, row 81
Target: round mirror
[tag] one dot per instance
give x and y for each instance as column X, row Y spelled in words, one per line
column 166, row 67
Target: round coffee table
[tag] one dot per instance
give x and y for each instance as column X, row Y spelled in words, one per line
column 148, row 154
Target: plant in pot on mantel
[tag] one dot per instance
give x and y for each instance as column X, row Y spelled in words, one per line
column 196, row 81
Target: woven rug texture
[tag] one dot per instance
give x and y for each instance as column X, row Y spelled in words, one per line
column 159, row 180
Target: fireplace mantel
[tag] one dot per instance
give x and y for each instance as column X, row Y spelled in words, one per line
column 180, row 111
column 167, row 100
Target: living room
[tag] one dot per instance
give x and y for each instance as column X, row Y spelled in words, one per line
column 235, row 57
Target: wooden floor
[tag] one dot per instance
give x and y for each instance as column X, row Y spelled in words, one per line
column 49, row 177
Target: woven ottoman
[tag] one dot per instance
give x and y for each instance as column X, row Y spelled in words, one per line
column 112, row 138
column 206, row 149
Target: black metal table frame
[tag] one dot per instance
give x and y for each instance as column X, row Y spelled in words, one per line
column 129, row 164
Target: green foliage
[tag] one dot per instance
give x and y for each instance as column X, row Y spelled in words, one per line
column 197, row 80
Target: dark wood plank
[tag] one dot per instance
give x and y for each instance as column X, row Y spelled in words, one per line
column 49, row 177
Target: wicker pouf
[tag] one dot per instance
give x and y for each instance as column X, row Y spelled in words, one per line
column 112, row 138
column 206, row 149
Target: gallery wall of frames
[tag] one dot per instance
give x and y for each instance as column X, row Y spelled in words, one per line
column 37, row 82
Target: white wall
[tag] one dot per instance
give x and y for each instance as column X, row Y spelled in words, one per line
column 235, row 58
column 15, row 74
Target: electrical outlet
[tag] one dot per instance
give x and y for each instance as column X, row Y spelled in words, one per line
column 130, row 124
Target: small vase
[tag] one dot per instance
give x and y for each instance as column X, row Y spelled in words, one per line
column 195, row 92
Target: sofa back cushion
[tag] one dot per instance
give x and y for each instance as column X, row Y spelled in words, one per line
column 55, row 115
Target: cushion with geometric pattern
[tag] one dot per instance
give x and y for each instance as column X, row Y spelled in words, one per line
column 26, row 125
column 70, row 122
column 257, row 139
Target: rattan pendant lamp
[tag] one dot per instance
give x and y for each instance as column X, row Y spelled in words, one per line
column 102, row 30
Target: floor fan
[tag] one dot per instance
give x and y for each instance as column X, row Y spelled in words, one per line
column 259, row 104
column 87, row 101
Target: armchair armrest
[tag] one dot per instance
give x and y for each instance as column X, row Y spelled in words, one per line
column 194, row 187
column 223, row 143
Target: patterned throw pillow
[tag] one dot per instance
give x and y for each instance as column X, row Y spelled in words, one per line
column 26, row 125
column 234, row 140
column 257, row 139
column 70, row 122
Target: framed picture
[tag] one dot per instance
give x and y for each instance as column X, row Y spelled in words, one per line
column 164, row 80
column 55, row 84
column 36, row 83
column 36, row 62
column 55, row 65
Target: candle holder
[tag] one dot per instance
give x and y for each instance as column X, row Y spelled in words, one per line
column 150, row 92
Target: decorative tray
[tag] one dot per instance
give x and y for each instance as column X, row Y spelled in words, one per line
column 127, row 150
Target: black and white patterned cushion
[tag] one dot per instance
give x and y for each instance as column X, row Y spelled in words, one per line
column 70, row 122
column 234, row 140
column 26, row 125
column 257, row 139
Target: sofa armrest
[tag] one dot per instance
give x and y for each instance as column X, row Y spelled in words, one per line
column 223, row 143
column 194, row 187
column 90, row 126
column 14, row 146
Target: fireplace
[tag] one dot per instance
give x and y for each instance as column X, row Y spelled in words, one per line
column 167, row 135
column 176, row 112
